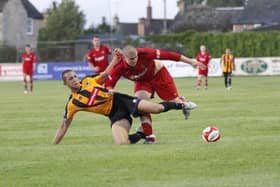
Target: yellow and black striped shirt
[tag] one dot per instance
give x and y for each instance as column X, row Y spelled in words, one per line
column 92, row 97
column 227, row 62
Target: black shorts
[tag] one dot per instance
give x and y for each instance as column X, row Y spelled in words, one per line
column 123, row 107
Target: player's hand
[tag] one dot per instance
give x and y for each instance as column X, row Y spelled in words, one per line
column 111, row 91
column 196, row 64
column 200, row 65
column 118, row 52
column 96, row 68
column 104, row 74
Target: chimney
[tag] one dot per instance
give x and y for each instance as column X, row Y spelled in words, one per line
column 149, row 10
column 182, row 4
column 116, row 21
column 141, row 27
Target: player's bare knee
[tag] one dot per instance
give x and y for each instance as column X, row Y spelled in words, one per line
column 158, row 108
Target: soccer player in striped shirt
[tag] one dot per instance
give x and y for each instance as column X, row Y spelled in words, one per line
column 227, row 65
column 90, row 95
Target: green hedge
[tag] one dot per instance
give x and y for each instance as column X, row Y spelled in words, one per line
column 242, row 44
column 8, row 54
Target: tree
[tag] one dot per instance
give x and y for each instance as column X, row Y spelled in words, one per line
column 64, row 22
column 101, row 28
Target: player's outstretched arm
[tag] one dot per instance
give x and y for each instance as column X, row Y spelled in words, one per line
column 192, row 62
column 106, row 73
column 61, row 131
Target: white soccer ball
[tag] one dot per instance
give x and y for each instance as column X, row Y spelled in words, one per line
column 211, row 134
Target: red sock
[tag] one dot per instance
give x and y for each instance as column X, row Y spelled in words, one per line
column 147, row 126
column 147, row 129
column 25, row 83
column 199, row 83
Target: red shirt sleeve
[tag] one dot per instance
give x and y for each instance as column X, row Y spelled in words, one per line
column 108, row 50
column 197, row 57
column 34, row 58
column 209, row 56
column 160, row 54
column 89, row 57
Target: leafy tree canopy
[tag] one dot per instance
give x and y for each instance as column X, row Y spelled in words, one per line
column 64, row 22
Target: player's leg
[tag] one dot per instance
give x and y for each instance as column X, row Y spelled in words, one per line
column 120, row 130
column 226, row 79
column 229, row 80
column 205, row 82
column 25, row 83
column 199, row 80
column 167, row 91
column 30, row 83
column 145, row 106
column 146, row 120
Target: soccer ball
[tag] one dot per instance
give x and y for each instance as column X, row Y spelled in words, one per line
column 211, row 134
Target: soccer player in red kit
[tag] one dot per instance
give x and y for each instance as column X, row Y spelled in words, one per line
column 149, row 76
column 204, row 58
column 98, row 56
column 28, row 67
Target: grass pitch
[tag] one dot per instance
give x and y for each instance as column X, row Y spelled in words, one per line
column 247, row 154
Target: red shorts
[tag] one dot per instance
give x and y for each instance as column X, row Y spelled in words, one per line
column 27, row 69
column 162, row 84
column 203, row 72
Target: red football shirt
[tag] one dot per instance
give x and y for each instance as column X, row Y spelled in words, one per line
column 204, row 59
column 99, row 58
column 28, row 59
column 144, row 70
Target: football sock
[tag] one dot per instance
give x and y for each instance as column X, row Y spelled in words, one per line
column 147, row 128
column 199, row 83
column 25, row 83
column 226, row 82
column 134, row 138
column 31, row 85
column 171, row 105
column 206, row 82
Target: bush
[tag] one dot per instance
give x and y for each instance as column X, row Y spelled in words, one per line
column 8, row 54
column 242, row 44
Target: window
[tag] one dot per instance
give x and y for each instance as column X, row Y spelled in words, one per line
column 29, row 30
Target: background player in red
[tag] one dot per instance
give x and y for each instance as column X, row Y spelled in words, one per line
column 204, row 58
column 149, row 76
column 28, row 61
column 98, row 56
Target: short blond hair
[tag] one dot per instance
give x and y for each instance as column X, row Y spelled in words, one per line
column 129, row 50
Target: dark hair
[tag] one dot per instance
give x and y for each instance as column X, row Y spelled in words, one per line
column 28, row 45
column 64, row 72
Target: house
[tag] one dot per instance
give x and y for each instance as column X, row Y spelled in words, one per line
column 258, row 15
column 145, row 26
column 200, row 17
column 20, row 23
